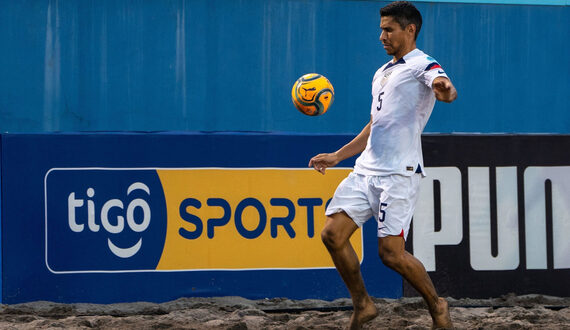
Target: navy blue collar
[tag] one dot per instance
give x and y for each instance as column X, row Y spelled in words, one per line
column 400, row 61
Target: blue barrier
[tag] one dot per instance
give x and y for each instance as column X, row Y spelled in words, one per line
column 85, row 218
column 126, row 216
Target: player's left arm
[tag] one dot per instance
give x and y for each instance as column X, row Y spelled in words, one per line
column 444, row 90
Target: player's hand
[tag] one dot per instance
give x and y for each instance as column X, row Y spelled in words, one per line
column 321, row 161
column 444, row 90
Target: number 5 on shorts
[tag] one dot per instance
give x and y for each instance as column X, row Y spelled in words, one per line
column 382, row 216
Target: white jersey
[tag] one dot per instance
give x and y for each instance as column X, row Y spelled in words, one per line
column 402, row 101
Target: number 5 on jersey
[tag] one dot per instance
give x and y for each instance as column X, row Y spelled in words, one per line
column 379, row 101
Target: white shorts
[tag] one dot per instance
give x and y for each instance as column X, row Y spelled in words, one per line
column 390, row 199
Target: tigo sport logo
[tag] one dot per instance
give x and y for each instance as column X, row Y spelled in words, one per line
column 103, row 220
column 128, row 220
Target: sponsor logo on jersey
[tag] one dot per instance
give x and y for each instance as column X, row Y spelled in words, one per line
column 385, row 78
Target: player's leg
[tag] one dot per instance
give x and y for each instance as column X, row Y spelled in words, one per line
column 393, row 254
column 398, row 199
column 335, row 235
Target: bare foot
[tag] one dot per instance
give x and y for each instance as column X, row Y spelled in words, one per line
column 365, row 313
column 440, row 316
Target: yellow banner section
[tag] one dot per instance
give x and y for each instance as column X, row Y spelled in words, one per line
column 247, row 218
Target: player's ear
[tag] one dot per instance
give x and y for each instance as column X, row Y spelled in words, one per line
column 411, row 28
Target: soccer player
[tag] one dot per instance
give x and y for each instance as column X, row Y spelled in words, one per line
column 386, row 176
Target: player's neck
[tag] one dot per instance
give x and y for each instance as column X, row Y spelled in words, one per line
column 403, row 52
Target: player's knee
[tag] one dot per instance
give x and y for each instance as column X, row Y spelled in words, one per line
column 330, row 238
column 389, row 257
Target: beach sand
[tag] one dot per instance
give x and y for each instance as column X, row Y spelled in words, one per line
column 507, row 312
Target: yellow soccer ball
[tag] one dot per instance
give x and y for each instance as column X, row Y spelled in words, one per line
column 312, row 94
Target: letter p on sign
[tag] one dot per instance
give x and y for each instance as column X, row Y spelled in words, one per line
column 451, row 233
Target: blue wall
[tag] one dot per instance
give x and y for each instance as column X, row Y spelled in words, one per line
column 229, row 65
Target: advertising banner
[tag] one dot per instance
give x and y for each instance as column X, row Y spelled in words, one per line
column 108, row 218
column 493, row 215
column 187, row 219
column 153, row 217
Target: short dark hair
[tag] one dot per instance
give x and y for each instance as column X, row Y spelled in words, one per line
column 405, row 13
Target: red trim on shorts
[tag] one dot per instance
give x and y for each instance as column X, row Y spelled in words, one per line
column 402, row 233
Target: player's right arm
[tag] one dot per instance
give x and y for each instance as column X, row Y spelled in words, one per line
column 321, row 161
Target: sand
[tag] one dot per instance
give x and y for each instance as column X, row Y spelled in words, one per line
column 508, row 312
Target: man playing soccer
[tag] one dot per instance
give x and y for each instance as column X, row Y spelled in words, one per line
column 386, row 176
